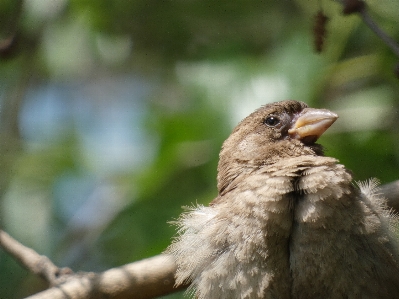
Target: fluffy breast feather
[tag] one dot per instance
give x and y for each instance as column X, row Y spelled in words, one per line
column 295, row 229
column 241, row 252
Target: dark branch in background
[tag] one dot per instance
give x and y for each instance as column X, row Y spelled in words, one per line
column 380, row 33
column 9, row 45
column 11, row 103
column 144, row 279
column 357, row 6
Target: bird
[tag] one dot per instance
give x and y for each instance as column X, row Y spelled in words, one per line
column 288, row 222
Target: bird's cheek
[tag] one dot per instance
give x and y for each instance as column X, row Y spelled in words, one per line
column 248, row 148
column 244, row 147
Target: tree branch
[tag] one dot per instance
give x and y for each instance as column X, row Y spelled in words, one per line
column 144, row 279
column 32, row 261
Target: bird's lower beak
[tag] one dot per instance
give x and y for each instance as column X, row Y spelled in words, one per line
column 311, row 124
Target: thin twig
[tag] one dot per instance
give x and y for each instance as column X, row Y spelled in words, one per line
column 378, row 31
column 31, row 260
column 360, row 7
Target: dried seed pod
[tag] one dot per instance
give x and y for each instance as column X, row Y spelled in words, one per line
column 319, row 30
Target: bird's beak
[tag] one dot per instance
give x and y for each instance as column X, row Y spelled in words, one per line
column 311, row 123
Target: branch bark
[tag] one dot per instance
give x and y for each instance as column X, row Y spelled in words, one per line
column 144, row 279
column 31, row 260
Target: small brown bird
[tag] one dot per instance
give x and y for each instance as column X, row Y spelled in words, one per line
column 287, row 222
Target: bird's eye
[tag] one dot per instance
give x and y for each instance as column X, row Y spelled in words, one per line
column 271, row 121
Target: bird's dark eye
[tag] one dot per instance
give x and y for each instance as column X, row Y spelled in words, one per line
column 271, row 121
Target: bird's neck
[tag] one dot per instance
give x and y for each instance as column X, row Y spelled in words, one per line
column 231, row 173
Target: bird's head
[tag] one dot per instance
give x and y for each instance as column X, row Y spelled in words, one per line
column 275, row 131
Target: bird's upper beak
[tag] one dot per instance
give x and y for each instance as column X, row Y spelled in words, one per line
column 311, row 123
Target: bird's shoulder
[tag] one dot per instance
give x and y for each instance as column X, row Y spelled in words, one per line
column 278, row 177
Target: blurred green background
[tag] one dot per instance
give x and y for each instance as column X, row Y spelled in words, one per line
column 112, row 113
